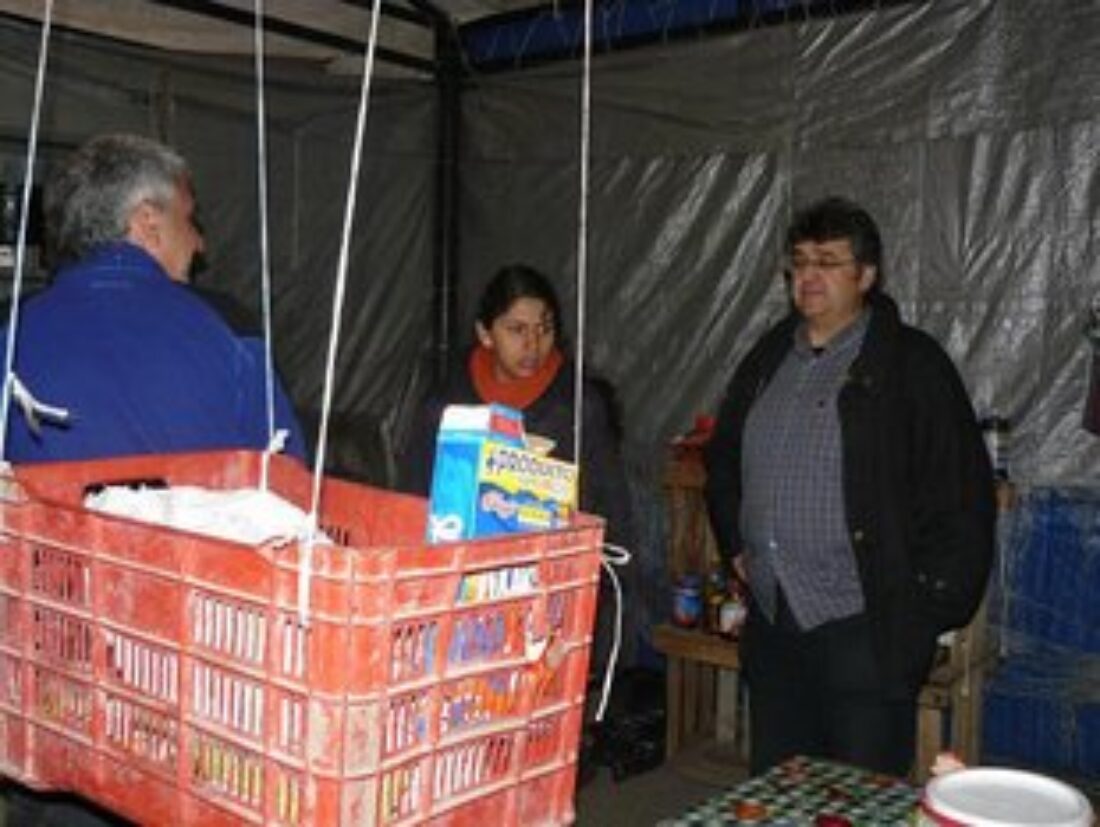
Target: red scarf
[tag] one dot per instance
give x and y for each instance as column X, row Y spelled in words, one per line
column 515, row 393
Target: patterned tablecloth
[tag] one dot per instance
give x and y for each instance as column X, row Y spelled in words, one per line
column 806, row 792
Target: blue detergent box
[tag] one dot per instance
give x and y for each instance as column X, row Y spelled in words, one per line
column 485, row 480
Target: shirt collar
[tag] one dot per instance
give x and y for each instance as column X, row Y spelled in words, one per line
column 116, row 259
column 849, row 338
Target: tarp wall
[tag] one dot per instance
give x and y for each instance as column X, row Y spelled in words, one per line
column 970, row 130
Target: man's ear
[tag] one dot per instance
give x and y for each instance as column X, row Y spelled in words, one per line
column 868, row 275
column 144, row 228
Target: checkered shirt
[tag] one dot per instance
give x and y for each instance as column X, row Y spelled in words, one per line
column 792, row 513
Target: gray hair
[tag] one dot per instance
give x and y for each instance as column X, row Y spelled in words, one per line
column 90, row 199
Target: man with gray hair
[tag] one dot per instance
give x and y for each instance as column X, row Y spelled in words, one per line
column 135, row 358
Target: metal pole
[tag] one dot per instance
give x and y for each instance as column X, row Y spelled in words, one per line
column 446, row 250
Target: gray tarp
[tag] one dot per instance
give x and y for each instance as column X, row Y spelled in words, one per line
column 971, row 130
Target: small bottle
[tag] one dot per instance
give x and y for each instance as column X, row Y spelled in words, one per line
column 687, row 601
column 713, row 597
column 732, row 615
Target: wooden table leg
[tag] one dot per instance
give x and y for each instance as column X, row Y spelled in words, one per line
column 929, row 740
column 690, row 700
column 708, row 705
column 725, row 729
column 674, row 689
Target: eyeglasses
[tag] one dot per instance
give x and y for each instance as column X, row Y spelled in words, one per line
column 800, row 266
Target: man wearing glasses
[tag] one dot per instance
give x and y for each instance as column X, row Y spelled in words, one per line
column 850, row 490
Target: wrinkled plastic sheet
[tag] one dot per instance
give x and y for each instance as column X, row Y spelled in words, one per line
column 968, row 129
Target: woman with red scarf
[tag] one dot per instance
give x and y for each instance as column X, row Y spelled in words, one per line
column 519, row 361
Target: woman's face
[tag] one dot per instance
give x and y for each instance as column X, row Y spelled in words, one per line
column 520, row 339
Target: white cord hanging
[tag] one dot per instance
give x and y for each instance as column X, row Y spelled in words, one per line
column 582, row 237
column 613, row 555
column 21, row 240
column 305, row 572
column 265, row 257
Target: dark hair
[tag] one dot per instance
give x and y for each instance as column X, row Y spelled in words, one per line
column 834, row 219
column 90, row 198
column 511, row 283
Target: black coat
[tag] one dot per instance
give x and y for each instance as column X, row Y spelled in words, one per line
column 918, row 486
column 603, row 479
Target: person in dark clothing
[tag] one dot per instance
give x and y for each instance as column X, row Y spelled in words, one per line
column 850, row 489
column 519, row 360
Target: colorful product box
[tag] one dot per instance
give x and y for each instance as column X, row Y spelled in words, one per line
column 486, row 482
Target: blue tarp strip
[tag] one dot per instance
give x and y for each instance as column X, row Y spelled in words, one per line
column 547, row 32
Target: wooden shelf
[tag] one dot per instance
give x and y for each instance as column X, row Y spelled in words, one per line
column 697, row 645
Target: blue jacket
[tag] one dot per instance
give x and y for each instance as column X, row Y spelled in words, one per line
column 142, row 364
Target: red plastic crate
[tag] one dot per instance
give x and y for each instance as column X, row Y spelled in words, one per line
column 166, row 675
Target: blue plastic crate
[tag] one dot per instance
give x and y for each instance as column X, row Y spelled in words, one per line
column 1088, row 739
column 1053, row 566
column 1042, row 711
column 1027, row 731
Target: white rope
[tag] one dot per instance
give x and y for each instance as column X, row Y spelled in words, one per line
column 582, row 237
column 613, row 556
column 265, row 257
column 21, row 240
column 304, row 573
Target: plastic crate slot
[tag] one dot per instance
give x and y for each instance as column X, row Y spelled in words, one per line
column 295, row 640
column 559, row 609
column 61, row 701
column 62, row 638
column 552, row 688
column 10, row 685
column 8, row 756
column 292, row 723
column 543, row 737
column 412, row 650
column 134, row 484
column 141, row 732
column 400, row 793
column 227, row 699
column 480, row 699
column 231, row 628
column 288, row 798
column 471, row 765
column 9, row 617
column 228, row 771
column 406, row 722
column 148, row 669
column 492, row 634
column 563, row 570
column 60, row 575
column 339, row 534
column 498, row 584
